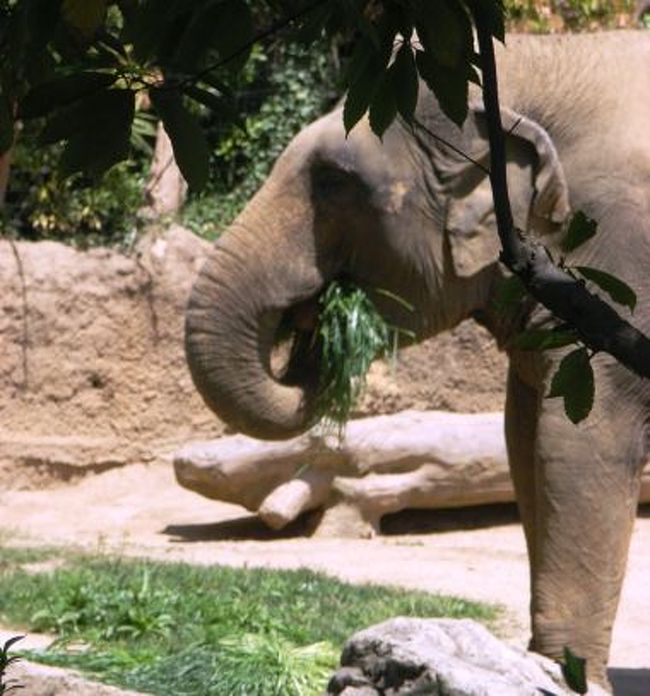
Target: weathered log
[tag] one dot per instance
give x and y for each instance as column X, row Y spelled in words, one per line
column 384, row 464
column 308, row 491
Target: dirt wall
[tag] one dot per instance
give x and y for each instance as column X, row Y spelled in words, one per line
column 92, row 370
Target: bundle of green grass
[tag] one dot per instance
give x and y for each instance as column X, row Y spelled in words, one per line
column 352, row 334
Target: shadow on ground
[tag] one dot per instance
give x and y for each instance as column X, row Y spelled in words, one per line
column 630, row 682
column 449, row 519
column 249, row 528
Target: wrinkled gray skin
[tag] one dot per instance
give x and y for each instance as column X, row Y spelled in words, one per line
column 413, row 217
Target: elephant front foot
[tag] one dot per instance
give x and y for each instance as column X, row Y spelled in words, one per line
column 552, row 636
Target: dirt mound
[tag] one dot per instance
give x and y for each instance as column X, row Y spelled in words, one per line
column 93, row 371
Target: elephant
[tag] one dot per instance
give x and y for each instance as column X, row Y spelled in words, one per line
column 413, row 214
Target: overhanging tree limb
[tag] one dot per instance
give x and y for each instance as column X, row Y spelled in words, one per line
column 598, row 325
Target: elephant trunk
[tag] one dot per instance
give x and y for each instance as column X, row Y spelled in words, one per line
column 238, row 301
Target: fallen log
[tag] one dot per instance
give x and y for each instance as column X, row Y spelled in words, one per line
column 383, row 464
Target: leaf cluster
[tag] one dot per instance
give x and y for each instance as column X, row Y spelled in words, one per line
column 351, row 334
column 574, row 379
column 80, row 64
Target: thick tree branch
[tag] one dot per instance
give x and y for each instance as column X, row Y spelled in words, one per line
column 598, row 325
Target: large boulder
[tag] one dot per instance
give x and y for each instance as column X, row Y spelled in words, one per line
column 441, row 657
column 93, row 372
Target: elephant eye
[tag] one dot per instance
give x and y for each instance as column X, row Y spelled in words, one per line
column 330, row 182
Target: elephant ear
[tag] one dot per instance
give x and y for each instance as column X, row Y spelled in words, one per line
column 471, row 229
column 536, row 183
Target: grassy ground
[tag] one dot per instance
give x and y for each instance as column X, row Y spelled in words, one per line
column 168, row 628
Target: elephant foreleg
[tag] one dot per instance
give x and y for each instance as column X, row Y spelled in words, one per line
column 587, row 485
column 520, row 430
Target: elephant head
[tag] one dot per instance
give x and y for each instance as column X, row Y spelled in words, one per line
column 410, row 215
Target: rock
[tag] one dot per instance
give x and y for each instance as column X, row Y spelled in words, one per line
column 42, row 680
column 441, row 657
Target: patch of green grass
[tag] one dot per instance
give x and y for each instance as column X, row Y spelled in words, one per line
column 12, row 557
column 174, row 628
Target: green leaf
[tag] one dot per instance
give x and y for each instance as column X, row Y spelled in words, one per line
column 581, row 229
column 42, row 19
column 234, row 32
column 490, row 14
column 151, row 25
column 93, row 155
column 383, row 107
column 574, row 671
column 222, row 26
column 510, row 292
column 446, row 34
column 219, row 104
column 197, row 38
column 190, row 147
column 473, row 75
column 314, row 24
column 405, row 82
column 618, row 290
column 360, row 94
column 86, row 16
column 6, row 125
column 9, row 642
column 362, row 55
column 574, row 382
column 94, row 113
column 49, row 96
column 544, row 339
column 449, row 85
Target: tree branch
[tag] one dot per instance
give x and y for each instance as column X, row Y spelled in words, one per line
column 598, row 325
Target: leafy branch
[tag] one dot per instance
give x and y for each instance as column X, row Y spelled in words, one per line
column 599, row 326
column 7, row 685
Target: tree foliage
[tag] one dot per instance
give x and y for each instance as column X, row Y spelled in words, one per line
column 79, row 65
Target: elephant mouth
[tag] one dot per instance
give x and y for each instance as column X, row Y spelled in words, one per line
column 296, row 352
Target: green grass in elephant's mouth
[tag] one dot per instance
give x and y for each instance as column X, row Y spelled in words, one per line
column 333, row 341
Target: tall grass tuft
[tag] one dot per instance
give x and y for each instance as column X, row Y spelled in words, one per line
column 352, row 334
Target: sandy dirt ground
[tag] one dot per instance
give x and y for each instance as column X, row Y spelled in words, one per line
column 475, row 554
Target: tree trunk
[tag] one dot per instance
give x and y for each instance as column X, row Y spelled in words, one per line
column 166, row 189
column 5, row 167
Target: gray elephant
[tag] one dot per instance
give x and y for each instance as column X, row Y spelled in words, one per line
column 412, row 216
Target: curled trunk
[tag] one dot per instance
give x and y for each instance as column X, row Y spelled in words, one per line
column 251, row 279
